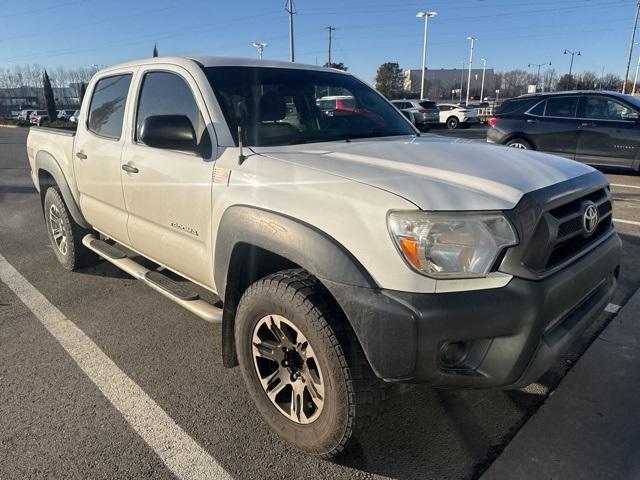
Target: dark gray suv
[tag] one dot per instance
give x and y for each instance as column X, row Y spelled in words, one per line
column 599, row 128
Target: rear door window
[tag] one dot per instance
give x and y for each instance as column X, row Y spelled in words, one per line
column 538, row 110
column 563, row 107
column 106, row 111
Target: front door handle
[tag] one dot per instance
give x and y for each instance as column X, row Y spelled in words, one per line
column 129, row 169
column 532, row 120
column 587, row 124
column 81, row 156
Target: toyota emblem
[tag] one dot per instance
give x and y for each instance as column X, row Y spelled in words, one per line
column 590, row 218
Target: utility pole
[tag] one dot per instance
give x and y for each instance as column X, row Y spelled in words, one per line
column 635, row 79
column 538, row 74
column 473, row 39
column 426, row 16
column 290, row 9
column 260, row 47
column 633, row 38
column 484, row 68
column 331, row 30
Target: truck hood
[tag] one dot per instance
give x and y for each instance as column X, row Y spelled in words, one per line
column 435, row 173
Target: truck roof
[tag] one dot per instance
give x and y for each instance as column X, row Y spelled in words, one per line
column 210, row 61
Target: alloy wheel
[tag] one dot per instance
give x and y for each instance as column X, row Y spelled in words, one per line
column 288, row 369
column 58, row 231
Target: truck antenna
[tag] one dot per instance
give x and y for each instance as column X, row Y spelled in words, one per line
column 241, row 156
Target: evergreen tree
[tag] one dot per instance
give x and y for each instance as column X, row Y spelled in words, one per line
column 49, row 100
column 390, row 80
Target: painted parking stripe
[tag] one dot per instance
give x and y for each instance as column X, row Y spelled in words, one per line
column 179, row 452
column 621, row 185
column 630, row 222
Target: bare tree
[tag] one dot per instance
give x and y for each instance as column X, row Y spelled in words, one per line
column 549, row 79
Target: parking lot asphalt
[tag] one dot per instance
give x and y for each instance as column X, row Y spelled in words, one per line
column 56, row 422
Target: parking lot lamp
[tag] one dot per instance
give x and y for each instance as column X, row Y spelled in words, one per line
column 473, row 40
column 426, row 16
column 484, row 68
column 260, row 47
column 573, row 54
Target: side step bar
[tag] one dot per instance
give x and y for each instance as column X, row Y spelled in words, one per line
column 156, row 280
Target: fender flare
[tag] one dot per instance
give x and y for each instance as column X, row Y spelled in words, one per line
column 45, row 161
column 292, row 239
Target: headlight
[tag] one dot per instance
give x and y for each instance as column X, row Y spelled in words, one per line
column 446, row 245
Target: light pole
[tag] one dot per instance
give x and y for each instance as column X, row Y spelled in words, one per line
column 573, row 54
column 484, row 68
column 635, row 79
column 461, row 80
column 473, row 40
column 290, row 9
column 260, row 47
column 538, row 74
column 631, row 43
column 426, row 16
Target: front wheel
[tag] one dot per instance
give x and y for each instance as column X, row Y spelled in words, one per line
column 453, row 123
column 302, row 364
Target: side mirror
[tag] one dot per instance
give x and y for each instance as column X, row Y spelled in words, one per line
column 173, row 132
column 630, row 115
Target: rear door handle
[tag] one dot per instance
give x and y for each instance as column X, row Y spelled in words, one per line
column 81, row 156
column 532, row 120
column 587, row 124
column 129, row 169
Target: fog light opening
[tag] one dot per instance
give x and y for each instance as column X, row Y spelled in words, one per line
column 453, row 354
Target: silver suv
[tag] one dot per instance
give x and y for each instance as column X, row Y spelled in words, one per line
column 424, row 112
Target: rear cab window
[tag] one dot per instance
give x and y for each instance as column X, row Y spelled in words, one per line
column 106, row 111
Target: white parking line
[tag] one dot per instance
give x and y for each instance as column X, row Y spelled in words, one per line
column 630, row 222
column 179, row 452
column 624, row 186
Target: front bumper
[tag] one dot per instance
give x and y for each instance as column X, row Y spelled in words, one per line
column 512, row 334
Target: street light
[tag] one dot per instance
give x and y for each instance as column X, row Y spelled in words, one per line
column 538, row 74
column 573, row 54
column 461, row 81
column 426, row 16
column 484, row 67
column 473, row 40
column 260, row 47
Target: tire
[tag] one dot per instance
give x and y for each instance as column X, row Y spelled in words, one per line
column 335, row 364
column 65, row 234
column 453, row 123
column 520, row 143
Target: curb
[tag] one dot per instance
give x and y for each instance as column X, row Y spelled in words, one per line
column 588, row 427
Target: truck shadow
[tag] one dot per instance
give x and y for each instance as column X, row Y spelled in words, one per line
column 435, row 433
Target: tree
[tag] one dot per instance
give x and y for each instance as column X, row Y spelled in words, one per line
column 566, row 82
column 390, row 80
column 49, row 100
column 549, row 79
column 587, row 81
column 611, row 82
column 155, row 50
column 339, row 66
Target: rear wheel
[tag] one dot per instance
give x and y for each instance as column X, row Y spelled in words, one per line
column 453, row 123
column 65, row 234
column 520, row 143
column 302, row 364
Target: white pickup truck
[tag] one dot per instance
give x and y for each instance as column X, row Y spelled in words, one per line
column 347, row 250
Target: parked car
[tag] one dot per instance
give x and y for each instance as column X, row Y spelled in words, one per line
column 65, row 114
column 425, row 112
column 455, row 116
column 594, row 127
column 37, row 117
column 75, row 117
column 347, row 250
column 24, row 115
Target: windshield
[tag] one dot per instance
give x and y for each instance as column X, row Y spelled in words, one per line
column 279, row 106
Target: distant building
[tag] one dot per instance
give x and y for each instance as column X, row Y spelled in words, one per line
column 12, row 98
column 445, row 83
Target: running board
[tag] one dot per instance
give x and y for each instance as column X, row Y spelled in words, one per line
column 156, row 280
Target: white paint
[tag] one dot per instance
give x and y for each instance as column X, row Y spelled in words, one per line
column 621, row 185
column 630, row 222
column 179, row 452
column 612, row 308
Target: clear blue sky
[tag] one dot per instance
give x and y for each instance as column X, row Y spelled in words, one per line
column 512, row 33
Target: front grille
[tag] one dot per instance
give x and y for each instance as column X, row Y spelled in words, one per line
column 551, row 226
